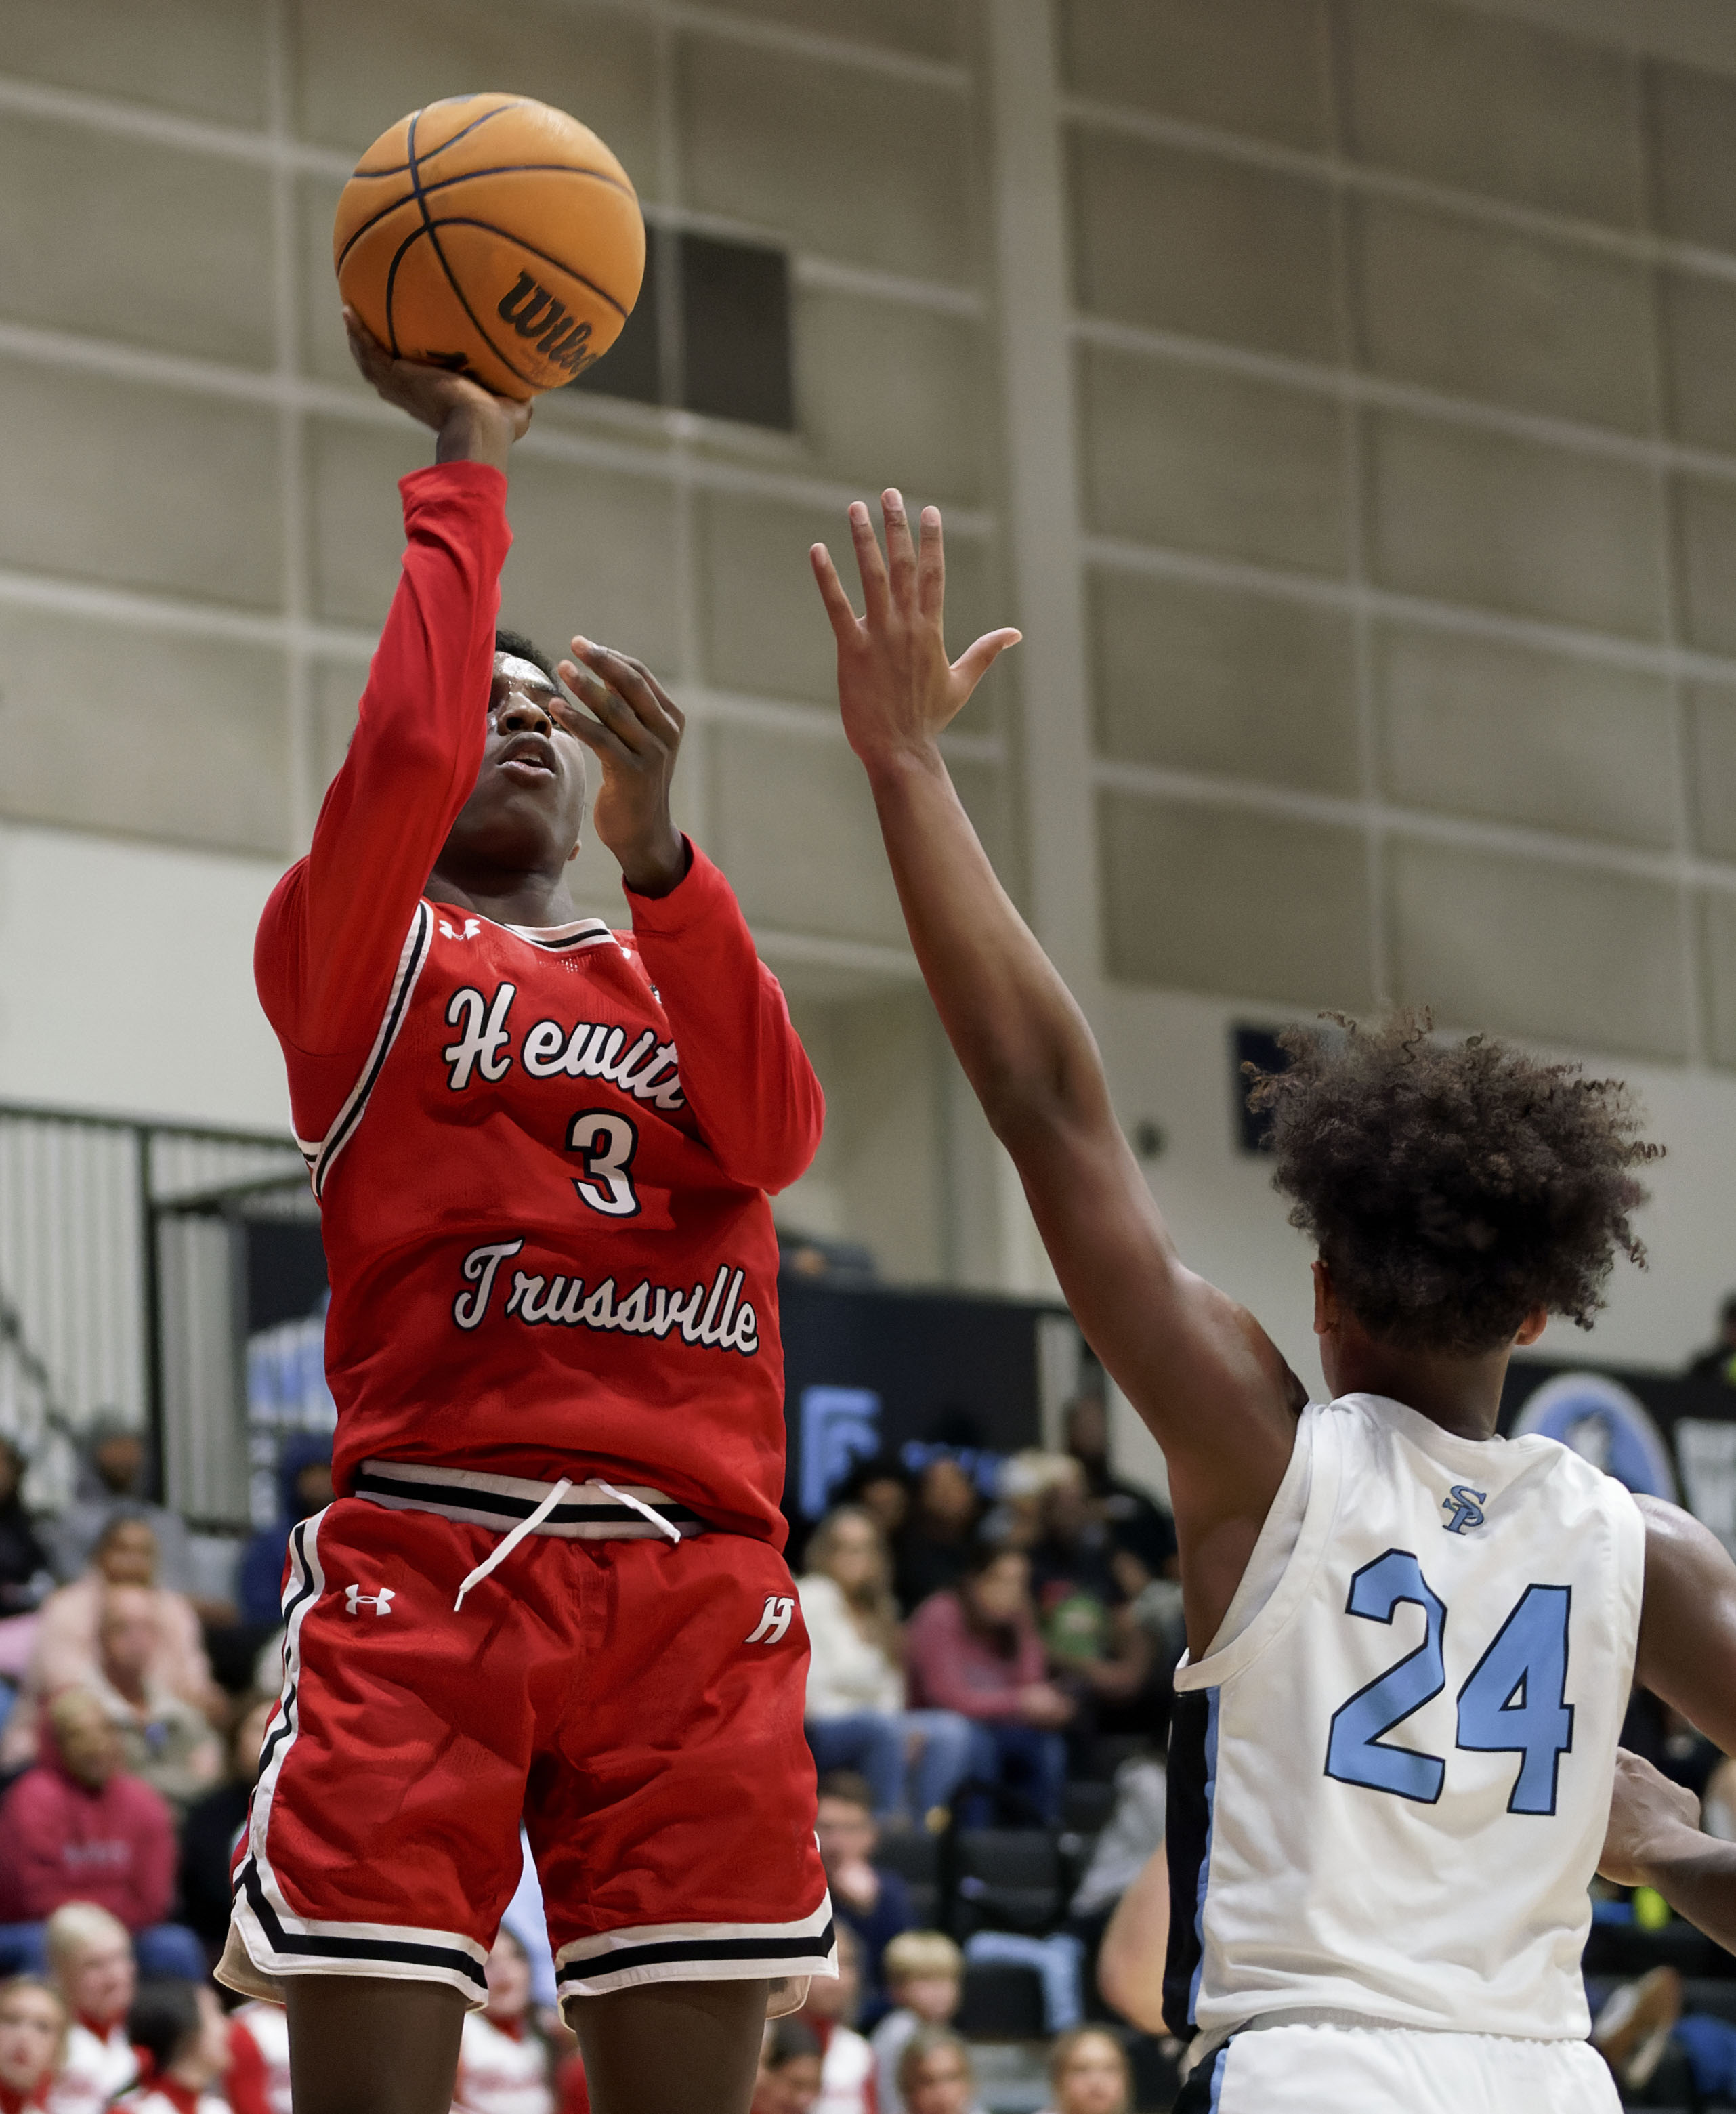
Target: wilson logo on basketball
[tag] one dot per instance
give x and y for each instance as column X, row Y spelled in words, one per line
column 537, row 316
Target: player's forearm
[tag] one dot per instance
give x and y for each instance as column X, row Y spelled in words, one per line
column 1696, row 1874
column 1022, row 1041
column 1130, row 1960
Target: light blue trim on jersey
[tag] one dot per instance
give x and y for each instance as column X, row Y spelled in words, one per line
column 1220, row 2063
column 1205, row 1861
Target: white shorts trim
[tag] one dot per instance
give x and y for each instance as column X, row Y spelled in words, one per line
column 268, row 1942
column 698, row 1953
column 1374, row 2069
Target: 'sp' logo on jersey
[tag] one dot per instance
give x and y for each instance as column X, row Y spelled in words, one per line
column 1466, row 1507
column 774, row 1624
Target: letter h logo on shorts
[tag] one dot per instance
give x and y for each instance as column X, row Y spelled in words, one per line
column 355, row 1599
column 1466, row 1507
column 774, row 1624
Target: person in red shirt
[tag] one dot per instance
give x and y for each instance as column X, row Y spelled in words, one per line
column 77, row 1827
column 551, row 1581
column 33, row 2043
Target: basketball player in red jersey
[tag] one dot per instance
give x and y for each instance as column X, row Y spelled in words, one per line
column 551, row 1583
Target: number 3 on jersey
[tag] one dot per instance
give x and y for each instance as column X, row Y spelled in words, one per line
column 607, row 1143
column 1514, row 1701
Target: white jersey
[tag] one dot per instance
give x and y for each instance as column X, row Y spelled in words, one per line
column 500, row 2074
column 96, row 2068
column 268, row 2024
column 1389, row 1776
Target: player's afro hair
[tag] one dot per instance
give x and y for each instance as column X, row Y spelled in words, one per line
column 1452, row 1188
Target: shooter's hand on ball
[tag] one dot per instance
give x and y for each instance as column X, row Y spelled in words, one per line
column 634, row 729
column 472, row 425
column 895, row 685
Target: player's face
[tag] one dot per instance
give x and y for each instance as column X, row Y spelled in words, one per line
column 528, row 806
column 30, row 2034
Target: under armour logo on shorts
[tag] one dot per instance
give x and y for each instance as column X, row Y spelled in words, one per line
column 355, row 1599
column 775, row 1621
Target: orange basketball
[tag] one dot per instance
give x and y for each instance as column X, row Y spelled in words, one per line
column 494, row 235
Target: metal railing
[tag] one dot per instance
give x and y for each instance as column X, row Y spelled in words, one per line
column 122, row 1287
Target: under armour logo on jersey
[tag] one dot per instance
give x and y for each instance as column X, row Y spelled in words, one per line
column 774, row 1622
column 355, row 1599
column 472, row 926
column 1466, row 1507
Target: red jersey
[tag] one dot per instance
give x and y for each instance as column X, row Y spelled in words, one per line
column 542, row 1155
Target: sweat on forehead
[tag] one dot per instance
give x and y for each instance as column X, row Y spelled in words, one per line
column 522, row 674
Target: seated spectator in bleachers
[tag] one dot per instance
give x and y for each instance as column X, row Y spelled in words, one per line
column 1089, row 2074
column 935, row 2075
column 258, row 2079
column 75, row 1827
column 209, row 1832
column 881, row 1487
column 874, row 1902
column 90, row 1959
column 1131, row 1837
column 1093, row 1642
column 303, row 1488
column 34, row 2023
column 789, row 2069
column 67, row 1650
column 924, row 1973
column 502, row 2061
column 976, row 1650
column 846, row 2061
column 163, row 1739
column 931, row 1548
column 182, row 2036
column 1137, row 1523
column 856, row 1715
column 110, row 1486
column 24, row 1564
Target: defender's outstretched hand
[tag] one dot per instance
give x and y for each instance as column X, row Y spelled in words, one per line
column 473, row 426
column 634, row 728
column 895, row 685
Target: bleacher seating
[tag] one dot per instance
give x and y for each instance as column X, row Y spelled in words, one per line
column 1007, row 1879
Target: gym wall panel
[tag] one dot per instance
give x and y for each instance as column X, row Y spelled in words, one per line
column 204, row 58
column 1210, row 248
column 358, row 68
column 1711, row 768
column 1564, row 953
column 1717, row 913
column 1514, row 524
column 1459, row 98
column 1693, row 146
column 1698, row 328
column 1485, row 312
column 1207, row 899
column 126, row 239
column 1179, row 455
column 192, row 738
column 1485, row 727
column 856, row 165
column 356, row 520
column 196, row 512
column 929, row 28
column 793, row 826
column 592, row 551
column 324, row 351
column 1705, row 512
column 894, row 395
column 336, row 688
column 1253, row 67
column 765, row 633
column 1210, row 679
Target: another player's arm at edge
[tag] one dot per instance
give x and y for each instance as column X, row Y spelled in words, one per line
column 1687, row 1657
column 1199, row 1368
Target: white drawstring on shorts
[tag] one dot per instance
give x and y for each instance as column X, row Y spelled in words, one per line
column 504, row 1548
column 639, row 1505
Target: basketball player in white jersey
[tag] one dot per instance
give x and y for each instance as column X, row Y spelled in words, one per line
column 1410, row 1643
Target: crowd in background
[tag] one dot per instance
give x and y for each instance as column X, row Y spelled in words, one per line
column 984, row 1646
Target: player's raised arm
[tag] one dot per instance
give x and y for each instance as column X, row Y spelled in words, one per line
column 1203, row 1374
column 332, row 937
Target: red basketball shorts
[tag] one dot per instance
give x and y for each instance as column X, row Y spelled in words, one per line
column 637, row 1703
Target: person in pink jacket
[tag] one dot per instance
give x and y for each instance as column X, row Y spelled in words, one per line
column 77, row 1827
column 975, row 1649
